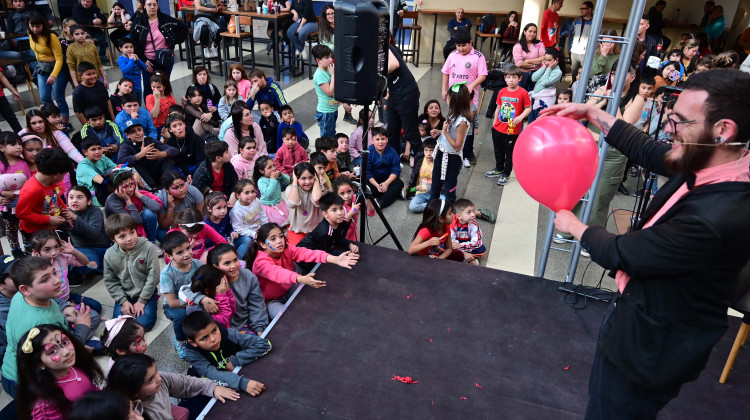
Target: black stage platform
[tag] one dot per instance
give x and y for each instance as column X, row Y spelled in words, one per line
column 481, row 343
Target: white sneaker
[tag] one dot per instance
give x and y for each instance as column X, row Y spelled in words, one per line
column 214, row 52
column 558, row 239
column 585, row 254
column 206, row 53
column 467, row 164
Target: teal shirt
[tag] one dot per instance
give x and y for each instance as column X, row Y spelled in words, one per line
column 87, row 170
column 270, row 189
column 21, row 318
column 326, row 104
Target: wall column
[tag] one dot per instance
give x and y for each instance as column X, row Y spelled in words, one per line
column 532, row 13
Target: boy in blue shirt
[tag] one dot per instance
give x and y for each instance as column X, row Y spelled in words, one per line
column 131, row 66
column 327, row 111
column 383, row 169
column 131, row 110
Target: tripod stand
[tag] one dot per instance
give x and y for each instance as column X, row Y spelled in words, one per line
column 365, row 193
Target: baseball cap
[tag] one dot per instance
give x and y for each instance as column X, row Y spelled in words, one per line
column 132, row 123
column 6, row 261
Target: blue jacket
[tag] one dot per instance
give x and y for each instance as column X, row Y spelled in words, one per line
column 143, row 117
column 381, row 166
column 132, row 70
column 112, row 135
column 271, row 93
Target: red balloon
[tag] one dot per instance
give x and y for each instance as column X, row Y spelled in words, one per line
column 555, row 160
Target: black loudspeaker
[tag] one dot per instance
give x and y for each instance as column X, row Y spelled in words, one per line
column 361, row 55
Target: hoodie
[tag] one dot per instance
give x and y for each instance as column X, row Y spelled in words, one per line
column 235, row 347
column 132, row 275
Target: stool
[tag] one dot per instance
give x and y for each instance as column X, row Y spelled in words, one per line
column 299, row 61
column 416, row 30
column 237, row 38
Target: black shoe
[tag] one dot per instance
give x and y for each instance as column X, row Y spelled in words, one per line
column 349, row 119
column 622, row 190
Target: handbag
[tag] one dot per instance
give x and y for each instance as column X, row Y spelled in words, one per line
column 162, row 56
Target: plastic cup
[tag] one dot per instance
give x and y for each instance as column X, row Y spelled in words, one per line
column 259, row 8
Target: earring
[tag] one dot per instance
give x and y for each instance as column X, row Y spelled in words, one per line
column 43, row 368
column 719, row 140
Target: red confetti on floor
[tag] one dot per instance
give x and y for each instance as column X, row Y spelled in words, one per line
column 404, row 379
column 464, row 398
column 409, row 297
column 449, row 330
column 478, row 386
column 566, row 367
column 430, row 340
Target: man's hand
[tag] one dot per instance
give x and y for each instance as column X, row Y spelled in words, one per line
column 139, row 309
column 567, row 222
column 254, row 388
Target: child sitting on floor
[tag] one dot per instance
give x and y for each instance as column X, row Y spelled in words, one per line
column 345, row 189
column 86, row 226
column 273, row 261
column 302, row 199
column 210, row 281
column 121, row 336
column 432, row 237
column 215, row 351
column 290, row 154
column 465, row 232
column 244, row 162
column 217, row 217
column 202, row 237
column 271, row 181
column 330, row 234
column 246, row 216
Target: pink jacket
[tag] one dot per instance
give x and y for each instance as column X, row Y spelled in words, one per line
column 65, row 144
column 227, row 305
column 276, row 276
column 286, row 159
column 234, row 142
column 244, row 167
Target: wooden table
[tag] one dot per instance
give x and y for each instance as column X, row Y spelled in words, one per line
column 453, row 12
column 270, row 17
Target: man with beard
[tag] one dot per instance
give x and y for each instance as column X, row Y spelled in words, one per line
column 678, row 269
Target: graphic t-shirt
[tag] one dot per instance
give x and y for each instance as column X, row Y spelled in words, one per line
column 548, row 34
column 424, row 184
column 510, row 105
column 465, row 68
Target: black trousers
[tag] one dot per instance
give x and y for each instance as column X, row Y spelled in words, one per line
column 503, row 144
column 613, row 397
column 402, row 112
column 7, row 112
column 152, row 170
column 390, row 195
column 451, row 177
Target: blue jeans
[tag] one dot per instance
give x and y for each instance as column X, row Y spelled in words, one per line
column 148, row 319
column 94, row 254
column 57, row 90
column 242, row 243
column 150, row 223
column 139, row 94
column 160, row 232
column 420, row 201
column 357, row 161
column 176, row 315
column 298, row 39
column 327, row 123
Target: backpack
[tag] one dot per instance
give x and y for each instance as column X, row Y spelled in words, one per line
column 488, row 23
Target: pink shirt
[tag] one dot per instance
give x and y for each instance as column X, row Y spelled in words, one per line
column 62, row 266
column 243, row 87
column 355, row 141
column 243, row 167
column 465, row 68
column 535, row 51
column 227, row 306
column 738, row 171
column 73, row 389
column 286, row 159
column 234, row 142
column 276, row 276
column 158, row 40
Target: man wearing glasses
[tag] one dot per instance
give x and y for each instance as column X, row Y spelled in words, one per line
column 677, row 270
column 579, row 36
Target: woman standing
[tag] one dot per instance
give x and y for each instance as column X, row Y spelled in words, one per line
column 155, row 36
column 36, row 123
column 528, row 54
column 325, row 34
column 50, row 60
column 243, row 125
column 304, row 23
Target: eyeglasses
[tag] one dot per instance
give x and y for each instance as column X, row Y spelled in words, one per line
column 673, row 124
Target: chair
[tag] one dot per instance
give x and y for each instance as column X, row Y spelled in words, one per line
column 740, row 303
column 238, row 50
column 411, row 50
column 493, row 37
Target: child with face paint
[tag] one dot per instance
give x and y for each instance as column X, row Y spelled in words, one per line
column 272, row 260
column 54, row 370
column 123, row 335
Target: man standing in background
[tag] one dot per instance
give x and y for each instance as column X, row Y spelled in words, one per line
column 550, row 21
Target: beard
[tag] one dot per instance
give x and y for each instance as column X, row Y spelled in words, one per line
column 694, row 158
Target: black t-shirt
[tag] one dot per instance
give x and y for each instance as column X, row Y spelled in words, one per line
column 84, row 96
column 269, row 127
column 401, row 81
